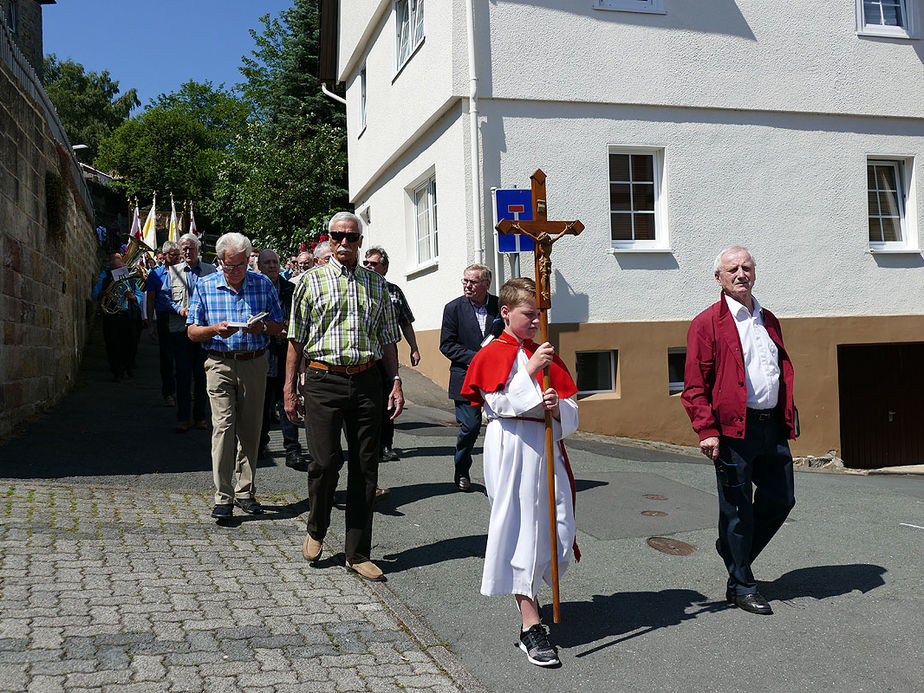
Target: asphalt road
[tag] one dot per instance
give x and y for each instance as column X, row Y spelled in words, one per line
column 844, row 575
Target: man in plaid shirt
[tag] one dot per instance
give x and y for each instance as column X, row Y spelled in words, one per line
column 235, row 368
column 342, row 323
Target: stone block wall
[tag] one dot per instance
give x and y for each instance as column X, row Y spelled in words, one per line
column 48, row 262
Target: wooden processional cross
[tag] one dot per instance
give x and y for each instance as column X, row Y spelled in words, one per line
column 544, row 233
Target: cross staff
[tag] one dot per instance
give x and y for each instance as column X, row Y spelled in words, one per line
column 544, row 233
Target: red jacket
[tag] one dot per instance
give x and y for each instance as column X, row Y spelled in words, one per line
column 714, row 392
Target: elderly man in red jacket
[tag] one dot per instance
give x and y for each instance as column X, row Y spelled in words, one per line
column 738, row 392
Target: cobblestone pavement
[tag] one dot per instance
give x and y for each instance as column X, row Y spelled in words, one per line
column 126, row 589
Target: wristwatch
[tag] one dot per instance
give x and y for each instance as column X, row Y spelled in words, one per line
column 264, row 327
column 397, row 378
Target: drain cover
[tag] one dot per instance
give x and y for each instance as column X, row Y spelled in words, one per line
column 654, row 513
column 655, row 496
column 671, row 546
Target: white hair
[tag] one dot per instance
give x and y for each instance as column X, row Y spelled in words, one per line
column 717, row 265
column 233, row 243
column 320, row 249
column 169, row 245
column 190, row 237
column 345, row 216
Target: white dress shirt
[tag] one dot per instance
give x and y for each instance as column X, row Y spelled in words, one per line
column 761, row 356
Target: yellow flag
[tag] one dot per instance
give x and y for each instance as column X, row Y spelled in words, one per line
column 172, row 232
column 149, row 230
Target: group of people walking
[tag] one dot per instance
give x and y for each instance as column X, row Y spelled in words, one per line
column 322, row 352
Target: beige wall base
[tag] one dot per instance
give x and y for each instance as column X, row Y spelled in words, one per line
column 642, row 408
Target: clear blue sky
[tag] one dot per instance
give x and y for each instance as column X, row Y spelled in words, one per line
column 156, row 45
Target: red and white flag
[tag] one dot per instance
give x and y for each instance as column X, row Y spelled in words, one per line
column 192, row 221
column 136, row 223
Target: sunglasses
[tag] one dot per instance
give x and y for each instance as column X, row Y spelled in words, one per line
column 351, row 237
column 370, row 263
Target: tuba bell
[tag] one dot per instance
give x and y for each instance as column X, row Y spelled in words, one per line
column 115, row 298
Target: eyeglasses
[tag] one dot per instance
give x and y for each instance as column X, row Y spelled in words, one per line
column 306, row 265
column 371, row 263
column 231, row 268
column 471, row 282
column 351, row 236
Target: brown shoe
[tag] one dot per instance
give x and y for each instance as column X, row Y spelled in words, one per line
column 367, row 570
column 183, row 426
column 202, row 425
column 311, row 548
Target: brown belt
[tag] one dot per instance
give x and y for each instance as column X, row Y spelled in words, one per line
column 237, row 355
column 348, row 370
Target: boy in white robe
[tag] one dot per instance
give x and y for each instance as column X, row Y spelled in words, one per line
column 505, row 377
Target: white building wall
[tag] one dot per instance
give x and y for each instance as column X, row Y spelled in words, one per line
column 791, row 188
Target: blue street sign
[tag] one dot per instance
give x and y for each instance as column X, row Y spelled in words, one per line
column 514, row 204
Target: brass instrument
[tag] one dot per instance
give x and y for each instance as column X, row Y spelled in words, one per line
column 115, row 298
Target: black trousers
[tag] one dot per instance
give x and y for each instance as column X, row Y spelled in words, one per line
column 167, row 383
column 332, row 401
column 120, row 333
column 756, row 492
column 388, row 424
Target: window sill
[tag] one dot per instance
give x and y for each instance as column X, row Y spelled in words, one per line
column 894, row 251
column 598, row 395
column 617, row 250
column 886, row 33
column 421, row 268
column 408, row 59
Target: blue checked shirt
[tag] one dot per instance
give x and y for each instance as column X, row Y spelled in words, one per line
column 155, row 283
column 214, row 301
column 343, row 317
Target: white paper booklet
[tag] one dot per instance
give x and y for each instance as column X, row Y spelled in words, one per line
column 250, row 321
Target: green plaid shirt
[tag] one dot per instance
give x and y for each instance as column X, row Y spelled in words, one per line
column 343, row 317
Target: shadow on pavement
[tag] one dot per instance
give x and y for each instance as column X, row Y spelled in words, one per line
column 625, row 615
column 471, row 546
column 824, row 581
column 270, row 512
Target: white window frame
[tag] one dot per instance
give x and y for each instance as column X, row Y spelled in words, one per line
column 905, row 171
column 422, row 185
column 362, row 99
column 646, row 6
column 908, row 31
column 414, row 26
column 661, row 241
column 614, row 363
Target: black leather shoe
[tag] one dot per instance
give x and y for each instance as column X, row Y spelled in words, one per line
column 223, row 511
column 295, row 461
column 249, row 505
column 389, row 454
column 754, row 603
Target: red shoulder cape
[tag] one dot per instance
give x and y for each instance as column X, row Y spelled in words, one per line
column 490, row 369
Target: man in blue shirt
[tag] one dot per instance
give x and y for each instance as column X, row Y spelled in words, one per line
column 159, row 302
column 235, row 366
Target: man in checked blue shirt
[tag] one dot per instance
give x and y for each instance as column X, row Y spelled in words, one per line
column 235, row 368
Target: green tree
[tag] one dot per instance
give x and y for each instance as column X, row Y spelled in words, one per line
column 88, row 103
column 223, row 113
column 161, row 151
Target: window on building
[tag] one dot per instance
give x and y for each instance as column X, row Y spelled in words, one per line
column 596, row 371
column 896, row 18
column 424, row 197
column 636, row 210
column 650, row 6
column 886, row 182
column 362, row 99
column 676, row 362
column 409, row 22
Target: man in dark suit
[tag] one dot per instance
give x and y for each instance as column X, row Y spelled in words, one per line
column 467, row 320
column 268, row 264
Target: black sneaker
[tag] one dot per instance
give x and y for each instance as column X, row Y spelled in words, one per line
column 389, row 455
column 223, row 511
column 248, row 505
column 539, row 651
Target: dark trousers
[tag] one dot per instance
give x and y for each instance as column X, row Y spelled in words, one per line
column 388, row 424
column 333, row 400
column 469, row 419
column 747, row 522
column 189, row 362
column 273, row 401
column 120, row 333
column 167, row 382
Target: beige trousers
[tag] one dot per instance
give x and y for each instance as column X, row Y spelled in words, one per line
column 236, row 390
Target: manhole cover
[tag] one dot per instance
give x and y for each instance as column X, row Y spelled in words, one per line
column 671, row 546
column 655, row 496
column 654, row 513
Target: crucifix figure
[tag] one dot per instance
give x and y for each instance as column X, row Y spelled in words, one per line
column 544, row 233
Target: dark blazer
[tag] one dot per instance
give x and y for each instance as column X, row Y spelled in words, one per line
column 460, row 338
column 279, row 346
